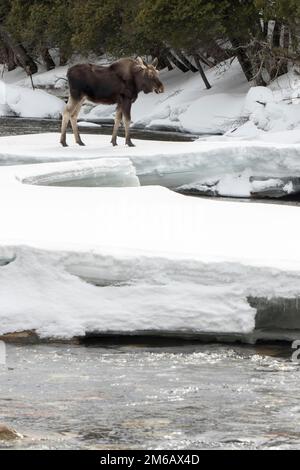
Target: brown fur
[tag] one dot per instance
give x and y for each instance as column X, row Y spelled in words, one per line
column 119, row 83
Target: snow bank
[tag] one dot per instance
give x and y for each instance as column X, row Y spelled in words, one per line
column 271, row 111
column 19, row 101
column 214, row 113
column 44, row 79
column 56, row 303
column 78, row 260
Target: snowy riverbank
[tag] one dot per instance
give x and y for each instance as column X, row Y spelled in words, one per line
column 228, row 167
column 185, row 106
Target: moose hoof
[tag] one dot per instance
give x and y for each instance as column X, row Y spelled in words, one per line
column 64, row 144
column 82, row 144
column 130, row 144
column 114, row 144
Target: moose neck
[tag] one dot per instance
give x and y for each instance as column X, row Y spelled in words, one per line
column 138, row 78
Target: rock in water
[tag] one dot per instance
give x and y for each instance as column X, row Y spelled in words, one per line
column 8, row 434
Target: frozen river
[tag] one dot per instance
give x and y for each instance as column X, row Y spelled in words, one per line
column 159, row 396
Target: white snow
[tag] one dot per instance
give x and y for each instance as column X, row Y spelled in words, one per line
column 22, row 102
column 214, row 113
column 88, row 124
column 161, row 261
column 256, row 98
column 234, row 185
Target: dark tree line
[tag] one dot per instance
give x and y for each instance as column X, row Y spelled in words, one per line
column 190, row 35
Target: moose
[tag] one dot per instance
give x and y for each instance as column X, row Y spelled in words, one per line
column 118, row 83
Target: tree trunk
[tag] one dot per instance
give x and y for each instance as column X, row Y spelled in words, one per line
column 205, row 60
column 63, row 59
column 265, row 29
column 11, row 64
column 21, row 56
column 163, row 62
column 216, row 52
column 50, row 65
column 7, row 58
column 281, row 65
column 201, row 71
column 276, row 34
column 243, row 59
column 177, row 62
column 286, row 38
column 186, row 62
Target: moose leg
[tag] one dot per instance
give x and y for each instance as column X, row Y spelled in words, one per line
column 127, row 119
column 69, row 109
column 118, row 119
column 73, row 118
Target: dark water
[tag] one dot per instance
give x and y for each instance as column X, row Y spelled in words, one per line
column 151, row 397
column 18, row 126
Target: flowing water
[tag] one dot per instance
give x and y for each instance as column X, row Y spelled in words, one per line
column 152, row 396
column 131, row 396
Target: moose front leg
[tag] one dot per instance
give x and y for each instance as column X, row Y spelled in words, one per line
column 126, row 107
column 73, row 119
column 64, row 125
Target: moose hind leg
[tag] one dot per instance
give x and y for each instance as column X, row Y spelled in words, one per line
column 128, row 140
column 118, row 119
column 67, row 116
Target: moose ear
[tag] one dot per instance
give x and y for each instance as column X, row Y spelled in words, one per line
column 155, row 62
column 140, row 62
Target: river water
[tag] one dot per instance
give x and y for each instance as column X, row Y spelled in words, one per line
column 18, row 126
column 131, row 396
column 178, row 395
